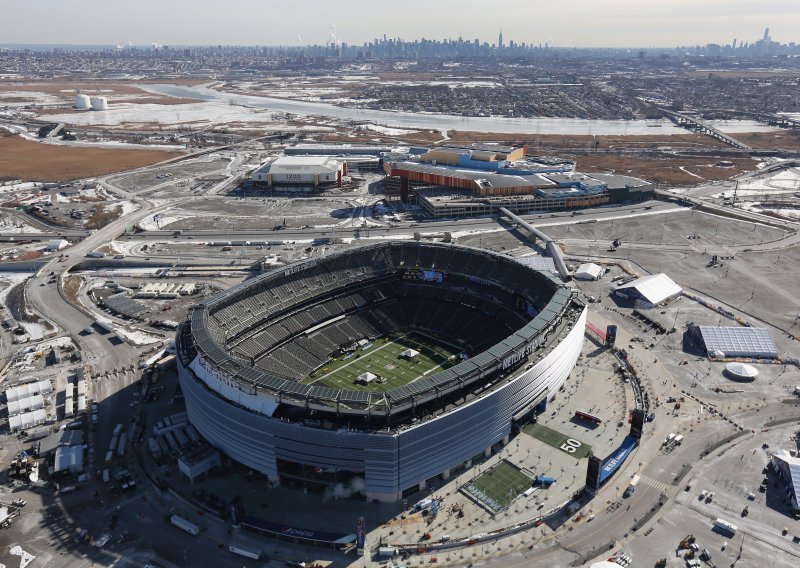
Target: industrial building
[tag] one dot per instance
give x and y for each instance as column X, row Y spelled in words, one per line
column 302, row 172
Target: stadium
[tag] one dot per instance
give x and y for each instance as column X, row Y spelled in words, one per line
column 378, row 368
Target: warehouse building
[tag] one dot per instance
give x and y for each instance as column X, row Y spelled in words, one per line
column 302, row 172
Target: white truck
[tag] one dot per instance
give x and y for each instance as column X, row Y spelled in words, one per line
column 185, row 525
column 246, row 551
column 632, row 486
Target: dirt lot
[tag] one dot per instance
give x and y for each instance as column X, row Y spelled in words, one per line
column 32, row 161
column 664, row 171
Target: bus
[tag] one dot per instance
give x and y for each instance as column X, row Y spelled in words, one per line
column 586, row 417
column 725, row 527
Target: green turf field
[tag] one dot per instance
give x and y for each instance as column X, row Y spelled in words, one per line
column 558, row 440
column 383, row 359
column 499, row 486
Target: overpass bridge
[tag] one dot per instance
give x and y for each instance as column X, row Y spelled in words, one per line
column 697, row 124
column 550, row 245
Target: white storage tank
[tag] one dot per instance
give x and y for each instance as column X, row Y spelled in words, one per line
column 99, row 103
column 82, row 102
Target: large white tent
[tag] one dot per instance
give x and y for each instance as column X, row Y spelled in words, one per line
column 588, row 271
column 654, row 289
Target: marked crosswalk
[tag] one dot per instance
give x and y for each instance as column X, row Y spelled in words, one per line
column 656, row 484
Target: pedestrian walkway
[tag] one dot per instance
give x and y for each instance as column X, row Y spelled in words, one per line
column 659, row 485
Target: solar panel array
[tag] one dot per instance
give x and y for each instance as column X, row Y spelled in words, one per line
column 447, row 379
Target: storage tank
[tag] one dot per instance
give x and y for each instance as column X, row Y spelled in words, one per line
column 82, row 102
column 99, row 103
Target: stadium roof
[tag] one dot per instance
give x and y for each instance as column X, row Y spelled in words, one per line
column 208, row 338
column 739, row 341
column 655, row 288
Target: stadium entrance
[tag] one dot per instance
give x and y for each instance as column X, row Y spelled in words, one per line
column 325, row 482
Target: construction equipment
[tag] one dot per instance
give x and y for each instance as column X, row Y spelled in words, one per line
column 616, row 243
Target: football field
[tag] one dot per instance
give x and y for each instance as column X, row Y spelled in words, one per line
column 382, row 359
column 499, row 486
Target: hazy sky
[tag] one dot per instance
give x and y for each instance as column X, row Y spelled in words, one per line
column 566, row 23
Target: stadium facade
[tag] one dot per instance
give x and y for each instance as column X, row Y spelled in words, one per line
column 246, row 355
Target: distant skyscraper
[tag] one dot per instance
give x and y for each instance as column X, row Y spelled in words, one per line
column 734, row 43
column 500, row 40
column 766, row 34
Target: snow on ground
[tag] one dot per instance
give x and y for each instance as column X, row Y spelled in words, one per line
column 136, row 336
column 8, row 280
column 386, row 130
column 196, row 114
column 757, row 207
column 34, row 331
column 126, row 206
column 157, row 222
column 783, row 182
column 9, row 224
column 13, row 187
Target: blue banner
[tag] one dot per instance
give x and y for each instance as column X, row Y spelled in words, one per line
column 617, row 458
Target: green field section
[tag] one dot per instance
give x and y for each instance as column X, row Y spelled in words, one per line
column 558, row 440
column 499, row 486
column 382, row 358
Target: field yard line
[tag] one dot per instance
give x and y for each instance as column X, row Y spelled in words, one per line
column 388, row 343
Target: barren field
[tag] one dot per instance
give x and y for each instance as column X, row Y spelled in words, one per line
column 558, row 141
column 787, row 139
column 32, row 161
column 695, row 170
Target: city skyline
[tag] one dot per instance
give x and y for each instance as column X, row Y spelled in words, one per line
column 618, row 23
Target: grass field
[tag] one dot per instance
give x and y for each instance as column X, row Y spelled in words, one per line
column 499, row 486
column 382, row 358
column 558, row 440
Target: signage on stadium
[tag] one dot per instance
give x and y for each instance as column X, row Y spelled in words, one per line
column 519, row 354
column 299, row 267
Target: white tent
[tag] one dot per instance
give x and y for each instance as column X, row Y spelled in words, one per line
column 409, row 353
column 34, row 402
column 588, row 271
column 29, row 389
column 741, row 371
column 26, row 420
column 653, row 289
column 57, row 244
column 366, row 378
